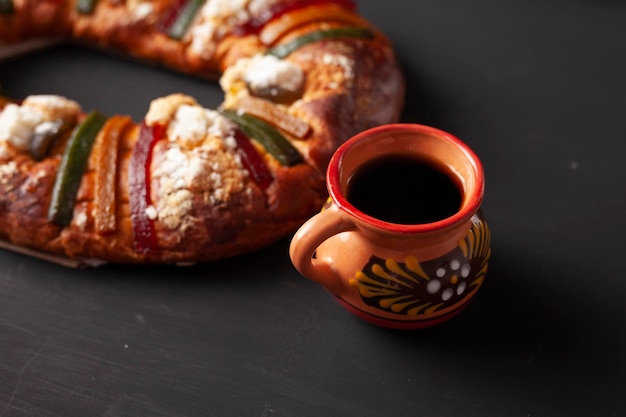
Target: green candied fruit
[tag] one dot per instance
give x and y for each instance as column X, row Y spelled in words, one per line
column 86, row 6
column 282, row 51
column 271, row 139
column 6, row 7
column 72, row 168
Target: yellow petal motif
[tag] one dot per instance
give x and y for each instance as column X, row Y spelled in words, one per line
column 378, row 270
column 393, row 266
column 414, row 266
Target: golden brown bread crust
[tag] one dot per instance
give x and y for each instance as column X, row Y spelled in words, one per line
column 350, row 85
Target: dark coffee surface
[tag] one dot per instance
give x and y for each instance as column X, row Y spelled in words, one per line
column 536, row 88
column 403, row 189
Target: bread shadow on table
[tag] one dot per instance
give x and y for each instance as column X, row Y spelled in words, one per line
column 272, row 260
column 104, row 80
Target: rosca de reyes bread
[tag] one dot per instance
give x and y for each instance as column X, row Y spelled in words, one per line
column 189, row 184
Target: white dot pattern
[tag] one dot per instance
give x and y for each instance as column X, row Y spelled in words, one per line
column 461, row 288
column 455, row 264
column 433, row 286
column 465, row 270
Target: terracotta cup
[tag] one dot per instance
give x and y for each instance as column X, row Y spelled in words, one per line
column 403, row 276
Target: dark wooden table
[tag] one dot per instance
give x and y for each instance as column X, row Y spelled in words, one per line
column 537, row 89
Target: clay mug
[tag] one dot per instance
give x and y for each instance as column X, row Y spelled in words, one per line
column 397, row 275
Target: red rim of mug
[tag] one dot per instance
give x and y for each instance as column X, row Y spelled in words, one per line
column 471, row 201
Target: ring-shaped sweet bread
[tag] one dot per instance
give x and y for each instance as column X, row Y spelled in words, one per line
column 189, row 184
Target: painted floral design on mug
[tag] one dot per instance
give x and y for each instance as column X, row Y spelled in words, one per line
column 424, row 288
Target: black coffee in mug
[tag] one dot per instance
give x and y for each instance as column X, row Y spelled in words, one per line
column 404, row 189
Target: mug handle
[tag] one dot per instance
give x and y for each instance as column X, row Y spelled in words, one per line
column 309, row 237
